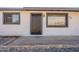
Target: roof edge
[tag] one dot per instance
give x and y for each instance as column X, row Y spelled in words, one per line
column 39, row 9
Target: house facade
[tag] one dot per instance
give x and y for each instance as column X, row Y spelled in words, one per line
column 39, row 21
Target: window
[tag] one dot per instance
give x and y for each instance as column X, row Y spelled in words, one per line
column 57, row 20
column 11, row 18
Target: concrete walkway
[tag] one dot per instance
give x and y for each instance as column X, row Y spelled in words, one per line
column 5, row 40
column 46, row 40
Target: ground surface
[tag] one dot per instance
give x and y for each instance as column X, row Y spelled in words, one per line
column 45, row 40
column 40, row 44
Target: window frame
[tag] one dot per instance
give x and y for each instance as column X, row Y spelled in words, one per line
column 13, row 13
column 66, row 19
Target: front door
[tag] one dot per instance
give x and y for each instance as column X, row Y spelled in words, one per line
column 36, row 24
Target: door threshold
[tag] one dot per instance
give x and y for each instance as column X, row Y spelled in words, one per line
column 36, row 35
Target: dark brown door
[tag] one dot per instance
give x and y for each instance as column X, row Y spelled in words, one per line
column 36, row 24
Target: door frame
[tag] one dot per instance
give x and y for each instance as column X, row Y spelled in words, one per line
column 41, row 23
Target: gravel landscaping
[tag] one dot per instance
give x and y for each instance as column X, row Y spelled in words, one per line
column 39, row 48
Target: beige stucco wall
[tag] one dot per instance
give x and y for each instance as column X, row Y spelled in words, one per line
column 23, row 29
column 15, row 29
column 72, row 29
